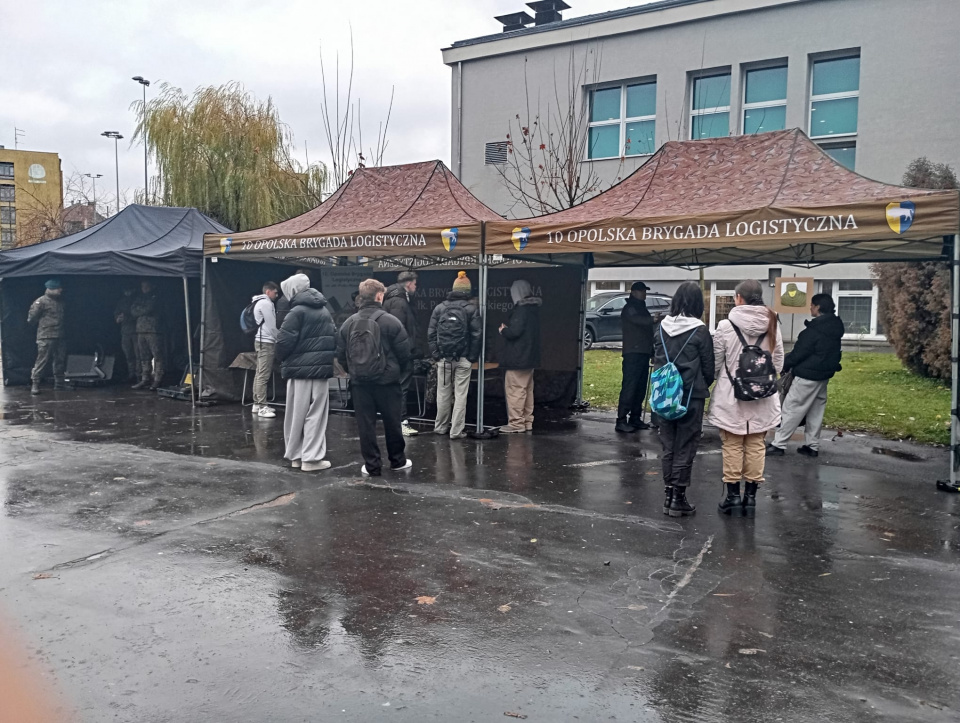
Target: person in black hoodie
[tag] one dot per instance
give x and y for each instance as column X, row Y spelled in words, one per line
column 306, row 346
column 380, row 393
column 684, row 340
column 813, row 362
column 520, row 356
column 637, row 324
column 397, row 302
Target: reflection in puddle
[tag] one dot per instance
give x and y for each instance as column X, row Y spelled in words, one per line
column 908, row 456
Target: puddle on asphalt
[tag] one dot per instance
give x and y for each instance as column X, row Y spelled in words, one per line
column 908, row 456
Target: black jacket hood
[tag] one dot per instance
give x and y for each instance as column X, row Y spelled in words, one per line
column 830, row 325
column 394, row 291
column 309, row 297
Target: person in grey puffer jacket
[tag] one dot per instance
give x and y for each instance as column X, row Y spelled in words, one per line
column 306, row 347
column 47, row 313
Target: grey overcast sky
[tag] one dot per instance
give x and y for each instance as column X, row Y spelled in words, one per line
column 67, row 66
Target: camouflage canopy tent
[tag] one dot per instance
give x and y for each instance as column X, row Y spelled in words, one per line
column 162, row 243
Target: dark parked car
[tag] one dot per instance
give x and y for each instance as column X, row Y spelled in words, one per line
column 603, row 315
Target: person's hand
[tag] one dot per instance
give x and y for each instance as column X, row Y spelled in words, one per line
column 502, row 327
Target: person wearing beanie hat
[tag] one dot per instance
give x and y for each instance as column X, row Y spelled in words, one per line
column 462, row 283
column 397, row 301
column 454, row 337
column 47, row 313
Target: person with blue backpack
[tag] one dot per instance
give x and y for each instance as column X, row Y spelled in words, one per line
column 683, row 372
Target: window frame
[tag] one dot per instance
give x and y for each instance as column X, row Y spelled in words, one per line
column 745, row 106
column 4, row 165
column 13, row 193
column 623, row 120
column 873, row 294
column 621, row 286
column 11, row 211
column 714, row 294
column 728, row 109
column 814, row 99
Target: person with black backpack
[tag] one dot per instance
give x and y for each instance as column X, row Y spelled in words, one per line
column 684, row 369
column 454, row 338
column 373, row 348
column 259, row 319
column 748, row 351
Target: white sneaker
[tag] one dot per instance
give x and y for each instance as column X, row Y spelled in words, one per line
column 255, row 408
column 315, row 466
column 406, row 465
column 295, row 463
column 266, row 412
column 363, row 471
column 407, row 430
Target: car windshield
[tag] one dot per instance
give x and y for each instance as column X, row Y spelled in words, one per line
column 595, row 302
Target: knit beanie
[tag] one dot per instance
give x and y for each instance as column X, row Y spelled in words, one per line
column 462, row 283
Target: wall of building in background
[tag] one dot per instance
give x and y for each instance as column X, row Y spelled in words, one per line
column 31, row 183
column 697, row 69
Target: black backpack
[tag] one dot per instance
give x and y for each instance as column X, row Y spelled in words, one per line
column 452, row 332
column 248, row 321
column 755, row 377
column 365, row 355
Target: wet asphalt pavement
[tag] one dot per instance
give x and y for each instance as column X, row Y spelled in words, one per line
column 161, row 565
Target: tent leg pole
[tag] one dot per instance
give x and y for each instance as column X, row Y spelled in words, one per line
column 579, row 403
column 203, row 321
column 481, row 372
column 953, row 484
column 186, row 308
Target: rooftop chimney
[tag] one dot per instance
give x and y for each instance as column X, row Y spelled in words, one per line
column 548, row 11
column 514, row 21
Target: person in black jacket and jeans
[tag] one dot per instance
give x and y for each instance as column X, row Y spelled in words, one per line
column 684, row 340
column 814, row 360
column 520, row 356
column 306, row 346
column 637, row 326
column 396, row 301
column 382, row 394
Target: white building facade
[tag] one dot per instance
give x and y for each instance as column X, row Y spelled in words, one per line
column 872, row 81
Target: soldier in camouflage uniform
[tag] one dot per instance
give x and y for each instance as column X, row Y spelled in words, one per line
column 47, row 313
column 128, row 332
column 146, row 310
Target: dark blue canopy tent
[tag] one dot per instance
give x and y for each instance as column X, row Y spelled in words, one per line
column 159, row 242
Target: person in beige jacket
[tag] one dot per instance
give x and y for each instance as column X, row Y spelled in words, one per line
column 744, row 424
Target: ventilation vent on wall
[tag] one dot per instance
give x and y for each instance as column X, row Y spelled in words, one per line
column 495, row 153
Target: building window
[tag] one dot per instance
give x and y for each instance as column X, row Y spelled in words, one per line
column 8, row 215
column 8, row 193
column 835, row 104
column 844, row 153
column 710, row 110
column 765, row 100
column 857, row 306
column 495, row 153
column 599, row 286
column 623, row 121
column 6, row 170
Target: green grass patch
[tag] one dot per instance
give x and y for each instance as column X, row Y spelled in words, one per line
column 874, row 393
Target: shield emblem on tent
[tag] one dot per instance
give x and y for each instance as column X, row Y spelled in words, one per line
column 520, row 238
column 449, row 237
column 900, row 215
column 225, row 245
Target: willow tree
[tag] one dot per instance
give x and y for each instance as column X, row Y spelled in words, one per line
column 228, row 154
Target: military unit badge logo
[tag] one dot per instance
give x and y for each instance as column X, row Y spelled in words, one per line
column 520, row 238
column 900, row 215
column 449, row 237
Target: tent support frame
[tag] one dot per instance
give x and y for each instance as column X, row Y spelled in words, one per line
column 203, row 321
column 186, row 308
column 953, row 483
column 481, row 362
column 580, row 404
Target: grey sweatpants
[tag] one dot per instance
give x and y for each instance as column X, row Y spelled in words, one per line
column 453, row 385
column 808, row 399
column 305, row 419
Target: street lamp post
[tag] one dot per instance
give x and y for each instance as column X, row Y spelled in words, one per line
column 116, row 159
column 93, row 177
column 144, row 82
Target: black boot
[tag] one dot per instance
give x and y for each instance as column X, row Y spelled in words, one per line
column 624, row 427
column 731, row 504
column 142, row 384
column 668, row 491
column 750, row 499
column 679, row 507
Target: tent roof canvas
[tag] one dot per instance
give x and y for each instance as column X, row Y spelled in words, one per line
column 411, row 209
column 138, row 241
column 767, row 198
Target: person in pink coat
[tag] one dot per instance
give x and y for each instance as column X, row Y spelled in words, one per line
column 744, row 424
